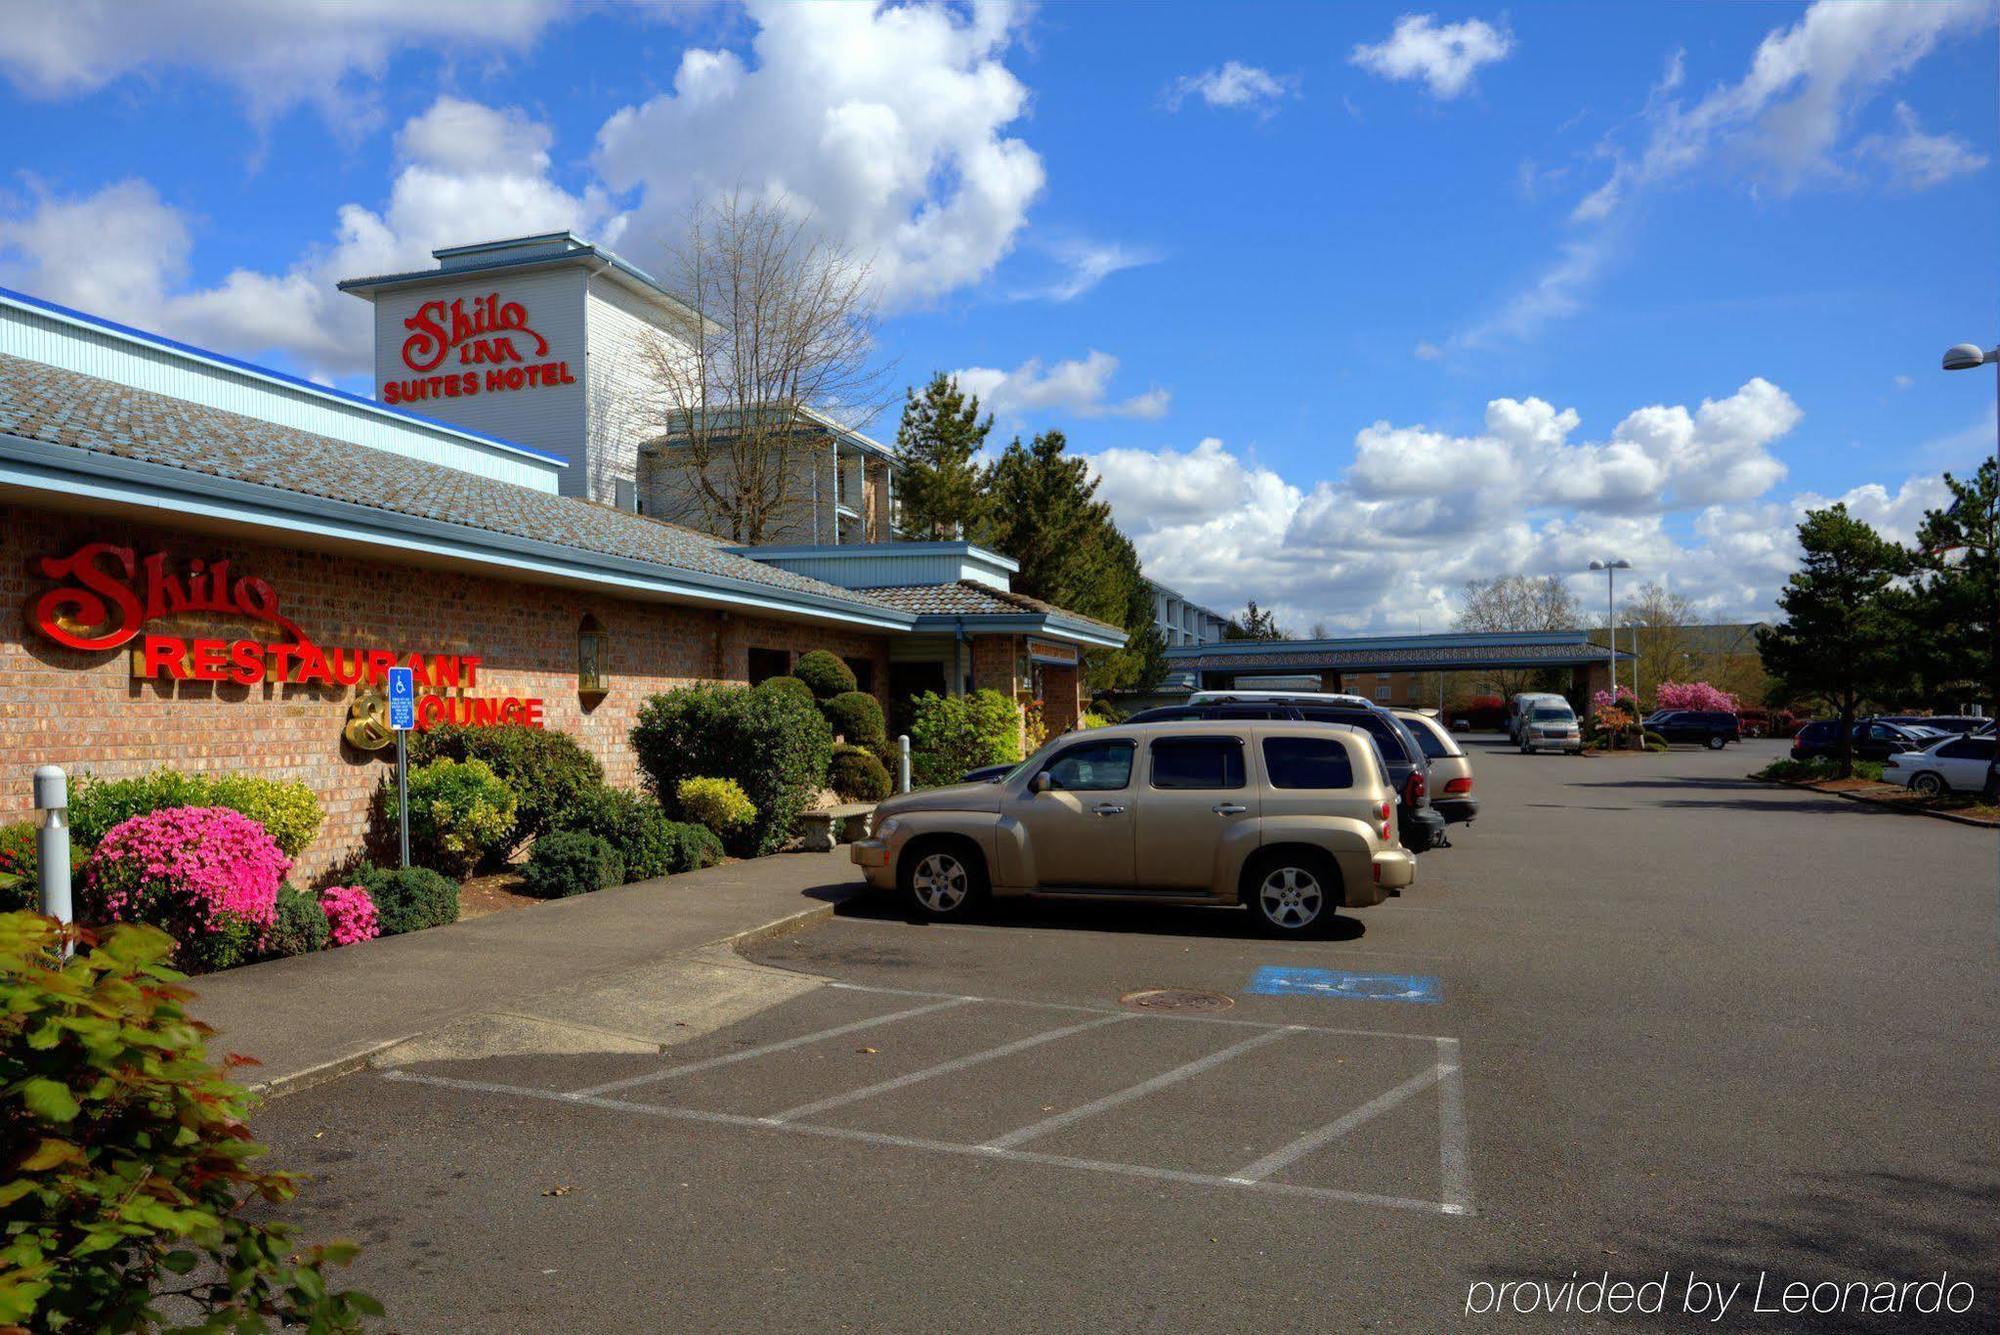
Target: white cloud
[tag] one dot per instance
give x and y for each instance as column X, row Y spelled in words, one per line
column 1086, row 264
column 1233, row 86
column 1420, row 511
column 274, row 55
column 1444, row 56
column 1078, row 386
column 1914, row 160
column 467, row 171
column 887, row 124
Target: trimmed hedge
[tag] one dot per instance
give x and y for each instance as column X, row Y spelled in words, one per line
column 858, row 776
column 547, row 771
column 775, row 746
column 570, row 862
column 824, row 673
column 857, row 716
column 286, row 808
column 301, row 928
column 951, row 734
column 459, row 812
column 409, row 899
column 791, row 685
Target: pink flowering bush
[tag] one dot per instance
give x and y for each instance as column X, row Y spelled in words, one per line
column 206, row 875
column 1624, row 699
column 350, row 914
column 1694, row 695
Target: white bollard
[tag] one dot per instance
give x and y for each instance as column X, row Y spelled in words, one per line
column 903, row 763
column 52, row 842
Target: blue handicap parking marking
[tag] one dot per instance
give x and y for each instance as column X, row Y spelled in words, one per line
column 1417, row 987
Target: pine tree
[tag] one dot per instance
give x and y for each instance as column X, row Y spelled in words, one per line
column 1953, row 622
column 938, row 442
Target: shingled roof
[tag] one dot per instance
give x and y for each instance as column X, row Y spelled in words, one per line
column 968, row 598
column 62, row 407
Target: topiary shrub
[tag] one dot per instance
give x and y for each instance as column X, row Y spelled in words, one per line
column 773, row 744
column 301, row 926
column 824, row 674
column 208, row 876
column 791, row 685
column 547, row 771
column 857, row 775
column 857, row 716
column 459, row 810
column 128, row 1167
column 409, row 899
column 286, row 808
column 570, row 862
column 950, row 734
column 718, row 804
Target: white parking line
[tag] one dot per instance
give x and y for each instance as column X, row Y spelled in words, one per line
column 1140, row 1090
column 1312, row 1140
column 945, row 1068
column 783, row 1045
column 1454, row 1151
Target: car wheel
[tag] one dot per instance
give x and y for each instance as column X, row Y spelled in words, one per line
column 1929, row 785
column 1292, row 894
column 1715, row 743
column 942, row 880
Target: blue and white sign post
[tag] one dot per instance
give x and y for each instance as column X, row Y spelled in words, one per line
column 402, row 717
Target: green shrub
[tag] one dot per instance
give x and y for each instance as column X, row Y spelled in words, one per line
column 409, row 899
column 1092, row 719
column 127, row 1164
column 824, row 674
column 301, row 928
column 951, row 734
column 773, row 744
column 633, row 824
column 718, row 804
column 695, row 846
column 570, row 862
column 1816, row 769
column 789, row 684
column 857, row 775
column 459, row 810
column 857, row 716
column 286, row 808
column 547, row 771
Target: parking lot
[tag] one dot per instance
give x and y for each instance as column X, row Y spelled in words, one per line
column 1643, row 1018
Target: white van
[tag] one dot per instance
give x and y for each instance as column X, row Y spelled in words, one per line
column 1521, row 705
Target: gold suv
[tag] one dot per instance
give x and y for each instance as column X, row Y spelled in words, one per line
column 1289, row 819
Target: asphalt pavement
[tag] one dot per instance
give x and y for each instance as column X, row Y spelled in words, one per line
column 1645, row 1021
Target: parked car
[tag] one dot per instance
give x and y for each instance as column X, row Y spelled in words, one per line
column 1873, row 739
column 987, row 773
column 1956, row 725
column 1949, row 765
column 1710, row 728
column 1550, row 725
column 1451, row 768
column 1420, row 824
column 1522, row 705
column 1289, row 819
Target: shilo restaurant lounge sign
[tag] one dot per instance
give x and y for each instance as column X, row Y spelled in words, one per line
column 448, row 339
column 108, row 597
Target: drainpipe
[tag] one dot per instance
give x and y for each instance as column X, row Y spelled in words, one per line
column 959, row 667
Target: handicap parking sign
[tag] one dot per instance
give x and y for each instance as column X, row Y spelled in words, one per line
column 402, row 699
column 1417, row 987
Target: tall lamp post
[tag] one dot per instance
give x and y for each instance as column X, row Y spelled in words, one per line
column 1968, row 357
column 1611, row 569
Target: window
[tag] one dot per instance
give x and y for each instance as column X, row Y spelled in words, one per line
column 1553, row 714
column 1432, row 742
column 1307, row 762
column 1968, row 748
column 864, row 674
column 1094, row 767
column 768, row 663
column 1198, row 762
column 1382, row 692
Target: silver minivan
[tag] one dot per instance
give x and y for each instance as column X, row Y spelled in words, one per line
column 1549, row 724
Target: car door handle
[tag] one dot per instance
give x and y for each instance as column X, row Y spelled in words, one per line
column 1228, row 809
column 1108, row 809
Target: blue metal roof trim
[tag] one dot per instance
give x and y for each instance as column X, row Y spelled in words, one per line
column 267, row 373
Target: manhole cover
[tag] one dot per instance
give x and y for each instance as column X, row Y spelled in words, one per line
column 1175, row 999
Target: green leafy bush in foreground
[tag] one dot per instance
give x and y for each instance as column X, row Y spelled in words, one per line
column 570, row 862
column 459, row 811
column 128, row 1160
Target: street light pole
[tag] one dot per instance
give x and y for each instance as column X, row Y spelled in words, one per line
column 1966, row 357
column 1611, row 569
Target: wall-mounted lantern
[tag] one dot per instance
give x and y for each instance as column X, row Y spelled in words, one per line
column 593, row 677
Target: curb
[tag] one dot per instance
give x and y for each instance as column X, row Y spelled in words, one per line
column 1864, row 798
column 360, row 1060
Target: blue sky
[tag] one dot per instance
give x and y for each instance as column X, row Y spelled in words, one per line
column 1348, row 304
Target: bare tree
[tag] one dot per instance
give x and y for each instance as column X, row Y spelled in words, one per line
column 1516, row 602
column 779, row 331
column 1660, row 620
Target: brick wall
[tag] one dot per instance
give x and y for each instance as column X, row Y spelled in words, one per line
column 86, row 712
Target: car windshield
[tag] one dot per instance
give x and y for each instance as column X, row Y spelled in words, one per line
column 1552, row 714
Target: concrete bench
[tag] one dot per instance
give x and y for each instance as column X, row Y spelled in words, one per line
column 818, row 826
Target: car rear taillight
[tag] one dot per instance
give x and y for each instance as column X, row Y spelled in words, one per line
column 1413, row 787
column 1382, row 811
column 1458, row 786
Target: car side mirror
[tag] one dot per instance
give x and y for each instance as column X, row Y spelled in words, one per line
column 1041, row 783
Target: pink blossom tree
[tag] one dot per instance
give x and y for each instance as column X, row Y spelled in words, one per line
column 1693, row 695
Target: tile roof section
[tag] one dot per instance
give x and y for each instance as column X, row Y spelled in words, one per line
column 61, row 407
column 965, row 598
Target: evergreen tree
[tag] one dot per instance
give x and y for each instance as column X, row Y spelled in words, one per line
column 1254, row 623
column 1840, row 639
column 1953, row 630
column 938, row 442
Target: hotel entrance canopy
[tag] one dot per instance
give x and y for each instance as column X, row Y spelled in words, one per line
column 1220, row 665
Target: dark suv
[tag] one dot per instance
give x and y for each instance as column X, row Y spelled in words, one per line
column 1711, row 728
column 1420, row 826
column 1873, row 740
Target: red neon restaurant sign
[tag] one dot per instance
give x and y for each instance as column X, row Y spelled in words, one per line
column 490, row 333
column 113, row 596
